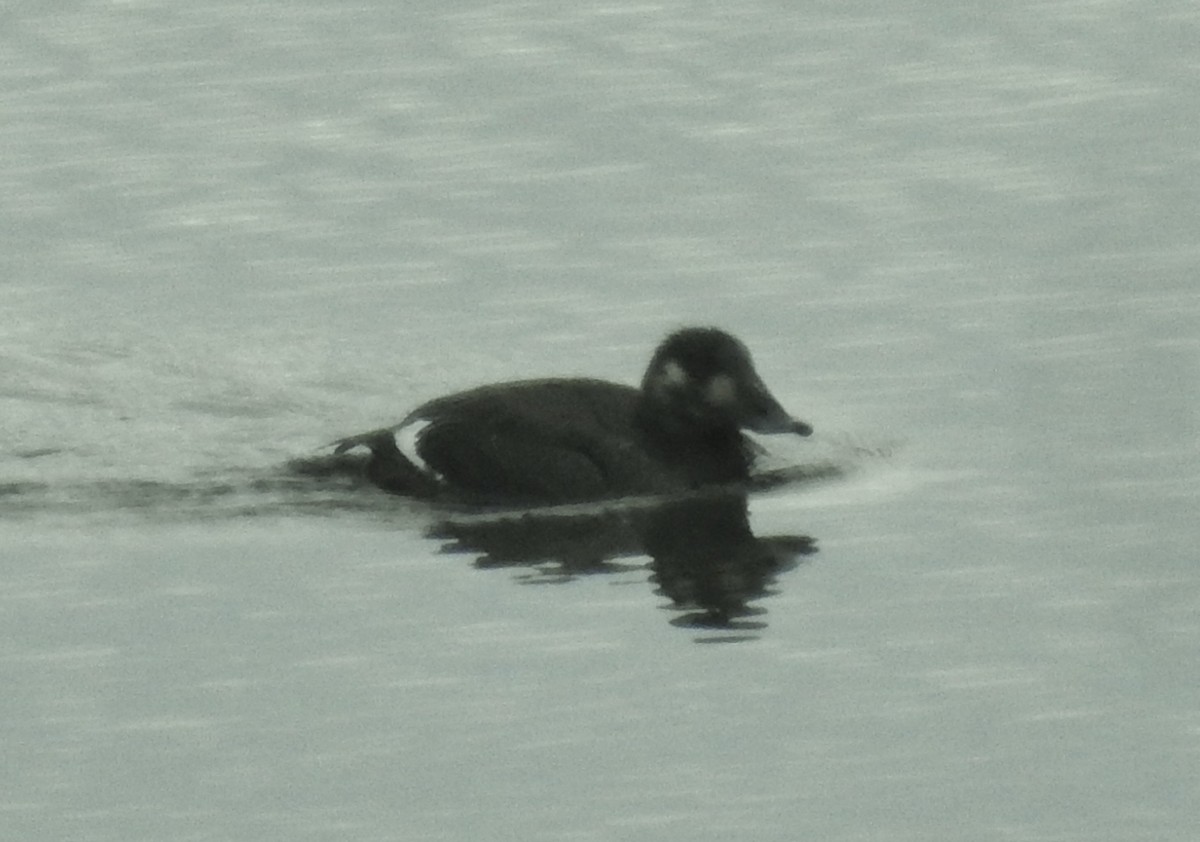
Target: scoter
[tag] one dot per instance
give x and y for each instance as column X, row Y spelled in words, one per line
column 570, row 440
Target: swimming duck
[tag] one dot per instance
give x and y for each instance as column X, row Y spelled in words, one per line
column 570, row 440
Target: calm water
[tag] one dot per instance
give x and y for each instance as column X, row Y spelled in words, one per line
column 959, row 239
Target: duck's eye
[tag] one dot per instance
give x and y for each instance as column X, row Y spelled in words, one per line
column 720, row 391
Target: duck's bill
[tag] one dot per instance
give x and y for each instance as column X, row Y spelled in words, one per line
column 766, row 415
column 782, row 424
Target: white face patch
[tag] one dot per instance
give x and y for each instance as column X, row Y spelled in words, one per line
column 672, row 374
column 720, row 391
column 408, row 437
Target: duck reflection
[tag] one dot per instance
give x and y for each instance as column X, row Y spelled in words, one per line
column 703, row 555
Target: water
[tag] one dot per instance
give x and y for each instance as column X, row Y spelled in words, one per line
column 958, row 239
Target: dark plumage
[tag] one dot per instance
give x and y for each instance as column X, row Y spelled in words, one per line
column 566, row 440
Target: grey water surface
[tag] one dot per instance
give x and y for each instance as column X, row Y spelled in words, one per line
column 960, row 240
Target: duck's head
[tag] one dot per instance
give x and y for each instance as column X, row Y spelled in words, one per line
column 704, row 378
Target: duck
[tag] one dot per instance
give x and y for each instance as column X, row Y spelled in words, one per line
column 570, row 440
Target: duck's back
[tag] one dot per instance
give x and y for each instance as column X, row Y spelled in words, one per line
column 543, row 440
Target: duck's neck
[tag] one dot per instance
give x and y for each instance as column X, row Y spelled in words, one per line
column 703, row 453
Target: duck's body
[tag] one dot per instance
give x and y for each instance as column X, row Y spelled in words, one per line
column 568, row 440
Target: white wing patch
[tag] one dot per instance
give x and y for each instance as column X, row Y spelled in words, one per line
column 408, row 436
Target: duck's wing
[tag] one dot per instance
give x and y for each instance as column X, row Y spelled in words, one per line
column 548, row 441
column 499, row 461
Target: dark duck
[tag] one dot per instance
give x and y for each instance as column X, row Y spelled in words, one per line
column 571, row 440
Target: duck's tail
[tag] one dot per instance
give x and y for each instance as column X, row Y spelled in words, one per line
column 387, row 467
column 376, row 441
